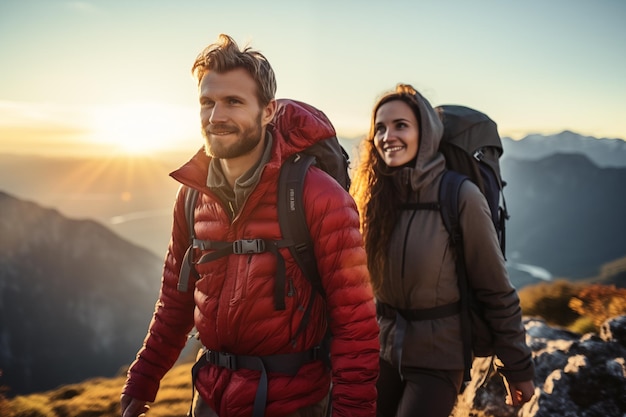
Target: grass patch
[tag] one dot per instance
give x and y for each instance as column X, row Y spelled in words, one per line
column 100, row 397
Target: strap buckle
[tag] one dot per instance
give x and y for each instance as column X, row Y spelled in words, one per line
column 243, row 246
column 479, row 154
column 225, row 360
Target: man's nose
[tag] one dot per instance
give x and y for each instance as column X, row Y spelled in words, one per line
column 218, row 114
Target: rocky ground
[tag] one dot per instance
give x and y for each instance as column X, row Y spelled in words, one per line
column 582, row 376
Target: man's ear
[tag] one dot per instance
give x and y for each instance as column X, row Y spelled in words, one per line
column 268, row 112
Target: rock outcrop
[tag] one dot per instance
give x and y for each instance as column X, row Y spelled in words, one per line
column 575, row 375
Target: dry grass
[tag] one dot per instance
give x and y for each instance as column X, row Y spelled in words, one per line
column 99, row 397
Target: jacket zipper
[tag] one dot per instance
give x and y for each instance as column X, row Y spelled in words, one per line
column 405, row 245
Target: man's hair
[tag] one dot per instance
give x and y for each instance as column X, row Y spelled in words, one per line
column 224, row 55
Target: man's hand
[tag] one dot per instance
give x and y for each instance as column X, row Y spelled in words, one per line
column 518, row 393
column 132, row 407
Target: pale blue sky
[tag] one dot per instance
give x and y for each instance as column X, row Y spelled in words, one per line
column 538, row 66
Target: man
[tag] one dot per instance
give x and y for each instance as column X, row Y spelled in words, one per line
column 232, row 304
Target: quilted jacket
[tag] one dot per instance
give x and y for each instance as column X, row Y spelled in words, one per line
column 232, row 304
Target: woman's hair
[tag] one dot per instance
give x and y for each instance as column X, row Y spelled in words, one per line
column 224, row 55
column 373, row 190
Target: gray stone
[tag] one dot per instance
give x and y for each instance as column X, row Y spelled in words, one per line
column 576, row 375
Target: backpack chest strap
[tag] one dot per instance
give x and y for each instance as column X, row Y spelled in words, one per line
column 238, row 247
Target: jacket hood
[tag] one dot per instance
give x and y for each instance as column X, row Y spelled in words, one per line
column 295, row 127
column 429, row 163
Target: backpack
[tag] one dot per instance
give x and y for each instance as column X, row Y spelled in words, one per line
column 327, row 155
column 472, row 148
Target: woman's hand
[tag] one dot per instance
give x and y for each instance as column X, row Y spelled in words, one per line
column 518, row 393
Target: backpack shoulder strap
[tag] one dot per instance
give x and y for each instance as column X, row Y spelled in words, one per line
column 449, row 190
column 187, row 268
column 191, row 196
column 291, row 216
column 295, row 230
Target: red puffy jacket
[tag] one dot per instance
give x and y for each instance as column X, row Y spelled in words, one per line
column 232, row 305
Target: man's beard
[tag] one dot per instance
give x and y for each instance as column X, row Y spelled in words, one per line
column 247, row 140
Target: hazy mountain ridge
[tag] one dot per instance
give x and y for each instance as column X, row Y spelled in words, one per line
column 604, row 152
column 102, row 189
column 566, row 214
column 75, row 298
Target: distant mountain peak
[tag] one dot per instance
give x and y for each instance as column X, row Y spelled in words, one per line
column 568, row 159
column 603, row 152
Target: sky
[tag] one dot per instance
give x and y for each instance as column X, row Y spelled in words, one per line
column 114, row 75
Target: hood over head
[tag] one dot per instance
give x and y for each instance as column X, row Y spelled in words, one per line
column 429, row 162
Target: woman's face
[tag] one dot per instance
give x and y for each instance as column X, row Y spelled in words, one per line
column 396, row 135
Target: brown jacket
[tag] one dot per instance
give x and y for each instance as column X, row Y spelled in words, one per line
column 421, row 270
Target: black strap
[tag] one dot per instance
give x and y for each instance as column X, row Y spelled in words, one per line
column 249, row 246
column 285, row 363
column 291, row 215
column 398, row 341
column 449, row 198
column 293, row 225
column 221, row 249
column 187, row 268
column 402, row 316
column 420, row 206
column 418, row 314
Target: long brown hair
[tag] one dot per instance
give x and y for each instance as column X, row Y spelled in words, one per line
column 373, row 190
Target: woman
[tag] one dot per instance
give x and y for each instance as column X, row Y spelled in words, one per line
column 412, row 265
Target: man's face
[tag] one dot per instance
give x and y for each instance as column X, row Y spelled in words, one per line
column 233, row 123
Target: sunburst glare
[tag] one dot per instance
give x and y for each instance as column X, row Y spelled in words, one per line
column 144, row 128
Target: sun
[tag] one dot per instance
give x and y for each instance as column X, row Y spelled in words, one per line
column 143, row 128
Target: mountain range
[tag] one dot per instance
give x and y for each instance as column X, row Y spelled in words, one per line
column 603, row 152
column 82, row 245
column 75, row 298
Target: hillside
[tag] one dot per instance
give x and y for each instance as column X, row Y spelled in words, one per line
column 76, row 299
column 566, row 214
column 99, row 397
